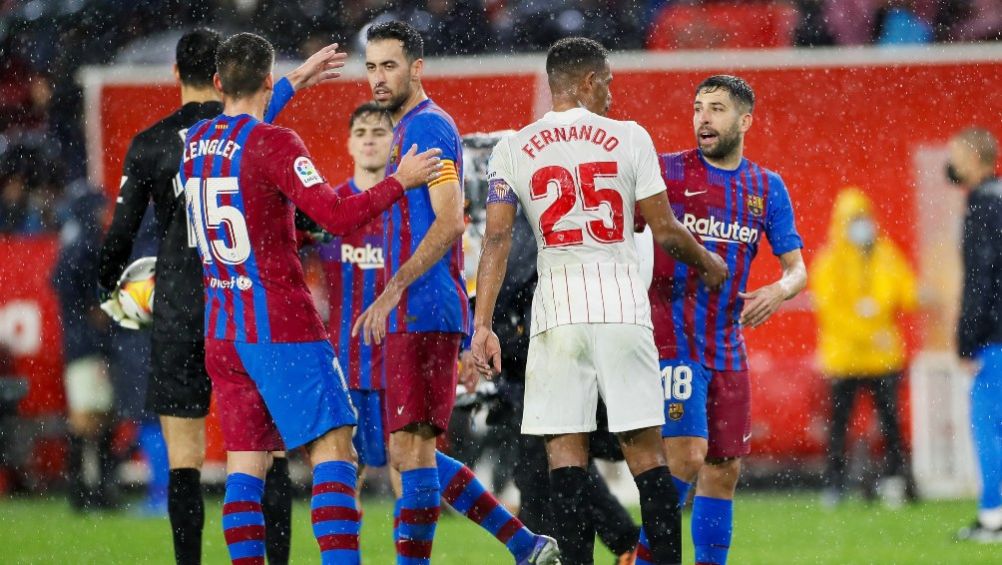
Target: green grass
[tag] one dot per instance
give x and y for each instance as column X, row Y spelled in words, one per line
column 770, row 528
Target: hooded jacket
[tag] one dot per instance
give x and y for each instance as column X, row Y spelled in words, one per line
column 980, row 321
column 858, row 296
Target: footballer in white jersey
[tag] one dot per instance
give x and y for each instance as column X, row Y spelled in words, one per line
column 578, row 176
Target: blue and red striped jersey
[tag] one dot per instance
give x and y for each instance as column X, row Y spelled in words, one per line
column 437, row 300
column 730, row 212
column 243, row 180
column 353, row 265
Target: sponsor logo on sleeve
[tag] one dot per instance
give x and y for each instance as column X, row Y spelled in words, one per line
column 306, row 172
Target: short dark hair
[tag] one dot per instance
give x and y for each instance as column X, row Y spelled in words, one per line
column 982, row 142
column 196, row 56
column 243, row 62
column 574, row 55
column 368, row 109
column 740, row 91
column 401, row 31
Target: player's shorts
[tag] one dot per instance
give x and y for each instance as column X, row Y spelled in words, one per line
column 88, row 385
column 179, row 384
column 370, row 434
column 265, row 390
column 570, row 366
column 421, row 375
column 728, row 414
column 686, row 384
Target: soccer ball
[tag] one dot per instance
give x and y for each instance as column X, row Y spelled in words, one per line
column 136, row 289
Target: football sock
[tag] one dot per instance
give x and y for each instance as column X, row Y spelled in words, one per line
column 186, row 510
column 661, row 515
column 151, row 441
column 468, row 496
column 644, row 556
column 334, row 512
column 712, row 526
column 572, row 523
column 79, row 496
column 243, row 522
column 277, row 508
column 419, row 510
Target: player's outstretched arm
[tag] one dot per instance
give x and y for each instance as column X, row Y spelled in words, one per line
column 679, row 243
column 485, row 345
column 763, row 302
column 320, row 68
column 448, row 226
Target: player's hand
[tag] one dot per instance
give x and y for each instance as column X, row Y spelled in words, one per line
column 760, row 304
column 714, row 271
column 111, row 307
column 469, row 378
column 320, row 68
column 372, row 323
column 418, row 169
column 486, row 349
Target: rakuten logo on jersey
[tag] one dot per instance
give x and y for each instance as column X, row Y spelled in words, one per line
column 712, row 229
column 239, row 283
column 368, row 257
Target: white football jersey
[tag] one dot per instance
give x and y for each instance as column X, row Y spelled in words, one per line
column 578, row 177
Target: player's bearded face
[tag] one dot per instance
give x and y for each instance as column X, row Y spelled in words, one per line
column 717, row 123
column 389, row 73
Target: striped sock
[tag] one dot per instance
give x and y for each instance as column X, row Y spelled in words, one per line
column 419, row 509
column 334, row 513
column 644, row 556
column 712, row 528
column 465, row 493
column 243, row 521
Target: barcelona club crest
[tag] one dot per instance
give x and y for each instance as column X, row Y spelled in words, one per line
column 675, row 411
column 395, row 153
column 755, row 205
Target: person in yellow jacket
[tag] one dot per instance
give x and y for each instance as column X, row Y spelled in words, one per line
column 861, row 283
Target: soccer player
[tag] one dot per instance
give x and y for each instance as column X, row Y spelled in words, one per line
column 578, row 176
column 180, row 388
column 974, row 153
column 275, row 375
column 353, row 265
column 730, row 203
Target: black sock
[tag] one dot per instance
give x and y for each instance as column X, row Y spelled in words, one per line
column 661, row 515
column 613, row 524
column 186, row 509
column 106, row 487
column 277, row 507
column 573, row 525
column 74, row 473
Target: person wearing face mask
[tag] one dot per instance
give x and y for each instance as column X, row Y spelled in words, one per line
column 973, row 155
column 862, row 283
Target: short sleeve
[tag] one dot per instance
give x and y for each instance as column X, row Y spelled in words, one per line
column 780, row 225
column 500, row 176
column 432, row 131
column 649, row 179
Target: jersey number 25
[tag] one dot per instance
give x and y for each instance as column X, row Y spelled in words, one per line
column 568, row 185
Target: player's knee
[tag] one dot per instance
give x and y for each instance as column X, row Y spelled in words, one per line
column 721, row 475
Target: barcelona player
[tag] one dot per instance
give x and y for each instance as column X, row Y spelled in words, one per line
column 731, row 204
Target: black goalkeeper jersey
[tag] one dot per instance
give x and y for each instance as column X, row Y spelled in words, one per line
column 149, row 171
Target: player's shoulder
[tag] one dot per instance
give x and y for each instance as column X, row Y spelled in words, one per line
column 432, row 115
column 774, row 179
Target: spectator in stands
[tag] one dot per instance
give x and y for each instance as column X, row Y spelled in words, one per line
column 861, row 283
column 85, row 350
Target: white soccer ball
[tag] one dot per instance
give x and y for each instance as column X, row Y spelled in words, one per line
column 136, row 290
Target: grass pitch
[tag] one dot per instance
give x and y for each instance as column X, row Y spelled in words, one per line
column 769, row 528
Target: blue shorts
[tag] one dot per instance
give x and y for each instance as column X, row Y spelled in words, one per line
column 370, row 439
column 685, row 385
column 302, row 386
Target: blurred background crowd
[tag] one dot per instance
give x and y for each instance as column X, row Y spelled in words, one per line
column 44, row 42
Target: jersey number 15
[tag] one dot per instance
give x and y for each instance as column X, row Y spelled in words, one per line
column 568, row 185
column 206, row 215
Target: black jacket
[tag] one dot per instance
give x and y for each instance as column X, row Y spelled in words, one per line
column 981, row 307
column 150, row 167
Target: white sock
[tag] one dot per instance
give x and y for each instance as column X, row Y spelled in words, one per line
column 991, row 518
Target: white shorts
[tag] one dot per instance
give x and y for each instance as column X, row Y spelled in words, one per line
column 88, row 386
column 570, row 366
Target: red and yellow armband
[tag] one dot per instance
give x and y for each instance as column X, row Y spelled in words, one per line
column 448, row 173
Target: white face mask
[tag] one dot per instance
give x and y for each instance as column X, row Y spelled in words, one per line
column 862, row 232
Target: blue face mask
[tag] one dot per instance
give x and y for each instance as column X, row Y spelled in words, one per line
column 862, row 232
